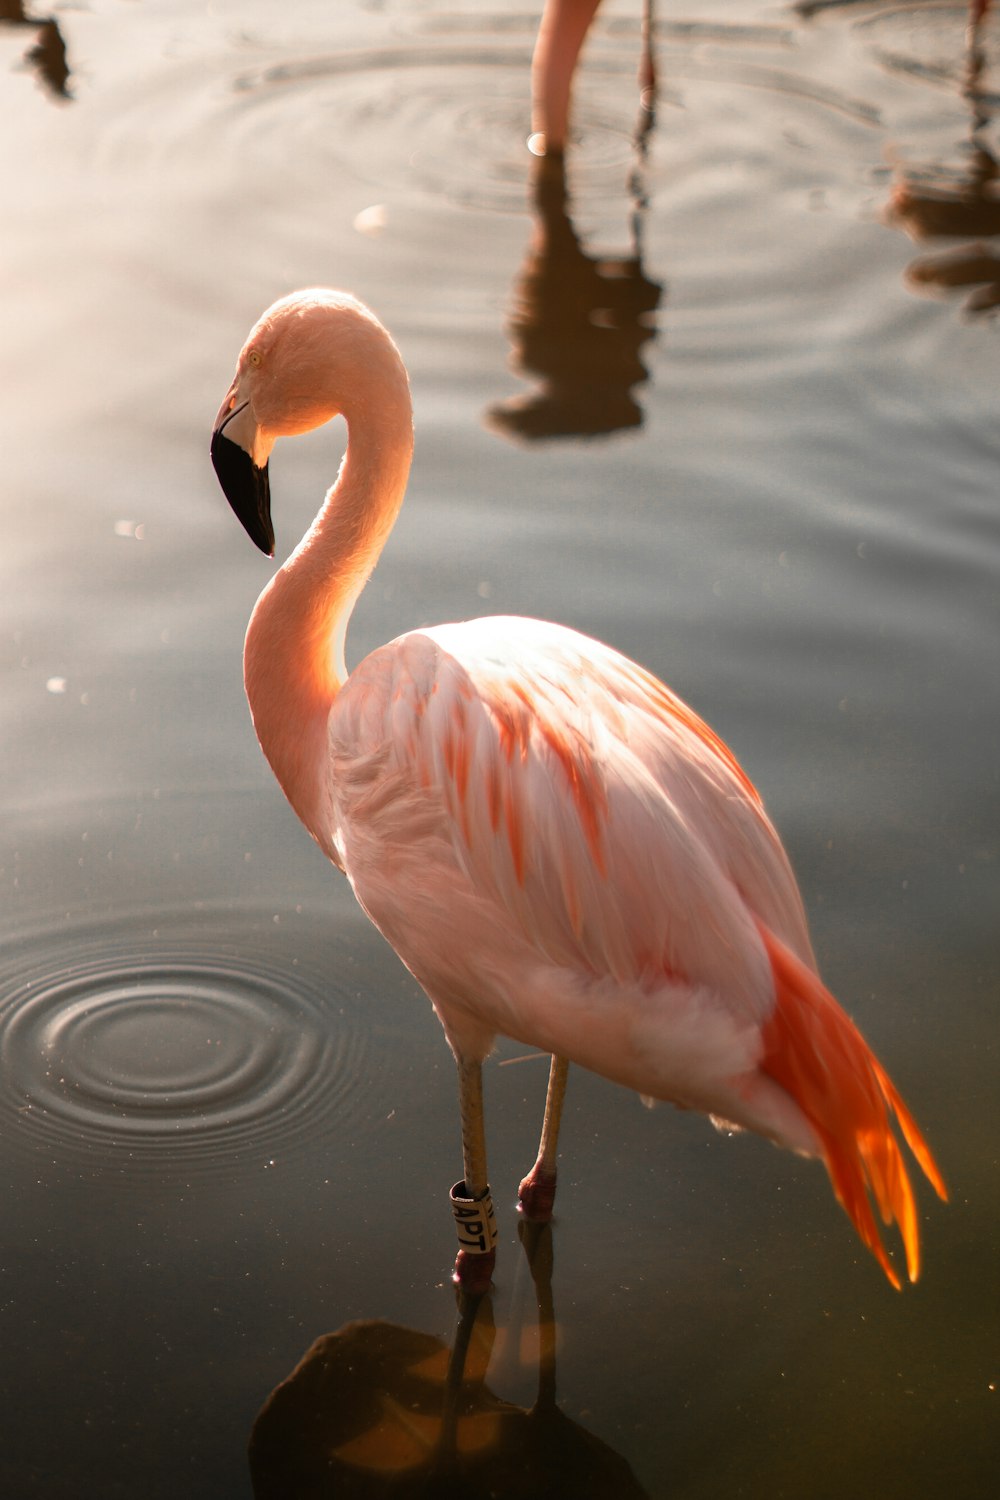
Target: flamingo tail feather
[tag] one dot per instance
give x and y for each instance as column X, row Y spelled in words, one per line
column 816, row 1053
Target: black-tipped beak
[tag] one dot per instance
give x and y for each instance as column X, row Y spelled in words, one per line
column 247, row 489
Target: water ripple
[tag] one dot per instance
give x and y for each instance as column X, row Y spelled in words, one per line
column 464, row 110
column 435, row 108
column 929, row 44
column 153, row 1053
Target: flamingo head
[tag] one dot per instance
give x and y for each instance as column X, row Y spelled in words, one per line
column 301, row 354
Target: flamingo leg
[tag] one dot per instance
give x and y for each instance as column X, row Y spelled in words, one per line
column 471, row 1203
column 537, row 1191
column 647, row 60
column 564, row 26
column 470, row 1104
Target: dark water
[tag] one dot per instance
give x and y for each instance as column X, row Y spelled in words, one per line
column 227, row 1115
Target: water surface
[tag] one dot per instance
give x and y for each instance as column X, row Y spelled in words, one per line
column 227, row 1113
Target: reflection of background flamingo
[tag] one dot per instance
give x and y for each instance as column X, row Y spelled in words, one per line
column 930, row 209
column 579, row 323
column 579, row 320
column 555, row 845
column 936, row 204
column 561, row 36
column 48, row 54
column 977, row 12
column 377, row 1409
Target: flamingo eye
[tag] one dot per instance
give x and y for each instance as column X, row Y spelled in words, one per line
column 254, row 358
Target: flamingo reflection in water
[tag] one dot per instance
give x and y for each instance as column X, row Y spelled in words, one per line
column 378, row 1409
column 578, row 324
column 933, row 201
column 48, row 54
column 556, row 846
column 579, row 320
column 936, row 209
column 938, row 204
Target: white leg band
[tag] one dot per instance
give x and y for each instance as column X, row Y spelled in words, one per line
column 475, row 1221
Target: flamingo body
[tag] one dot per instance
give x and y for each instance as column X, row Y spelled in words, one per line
column 556, row 846
column 589, row 839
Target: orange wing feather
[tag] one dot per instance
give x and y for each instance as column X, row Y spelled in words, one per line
column 816, row 1053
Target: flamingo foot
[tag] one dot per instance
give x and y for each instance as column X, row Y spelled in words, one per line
column 537, row 1194
column 473, row 1273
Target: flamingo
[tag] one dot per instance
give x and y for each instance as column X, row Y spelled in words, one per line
column 556, row 846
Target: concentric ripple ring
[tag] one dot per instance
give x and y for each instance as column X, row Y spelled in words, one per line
column 175, row 1058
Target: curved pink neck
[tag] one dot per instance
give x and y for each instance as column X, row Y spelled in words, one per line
column 293, row 659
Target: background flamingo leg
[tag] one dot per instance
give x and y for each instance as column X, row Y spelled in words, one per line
column 564, row 26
